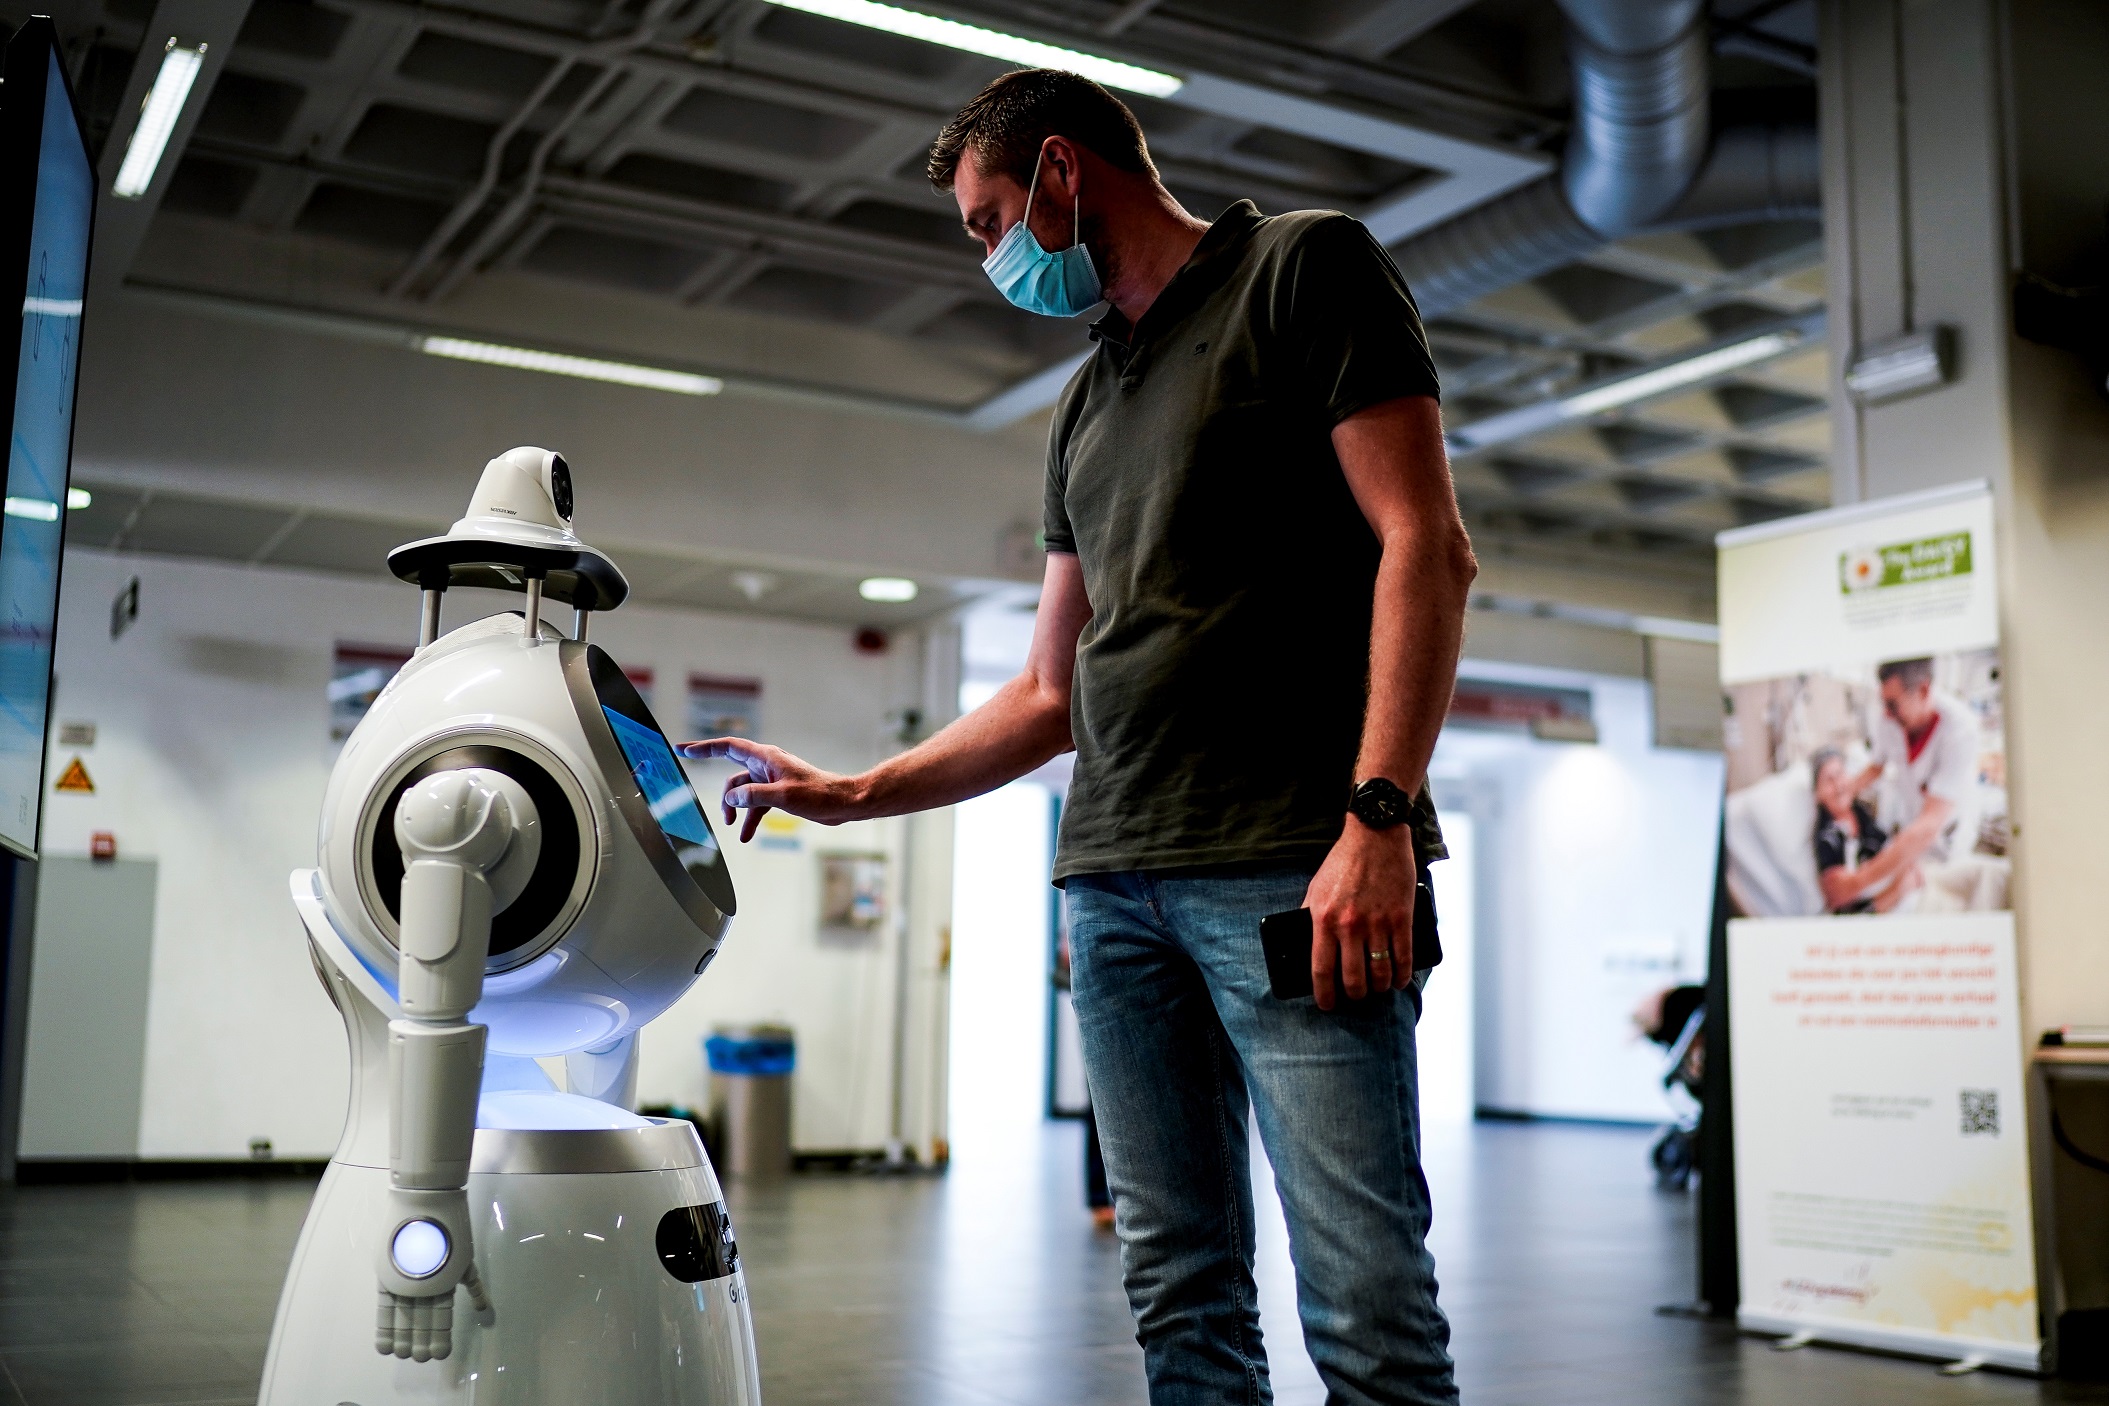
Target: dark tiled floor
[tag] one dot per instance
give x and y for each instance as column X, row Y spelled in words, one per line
column 986, row 1288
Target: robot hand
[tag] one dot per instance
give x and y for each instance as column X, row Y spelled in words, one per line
column 427, row 1253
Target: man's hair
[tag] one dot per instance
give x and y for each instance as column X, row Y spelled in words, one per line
column 1909, row 673
column 1008, row 121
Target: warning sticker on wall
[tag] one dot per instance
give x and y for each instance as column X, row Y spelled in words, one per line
column 75, row 778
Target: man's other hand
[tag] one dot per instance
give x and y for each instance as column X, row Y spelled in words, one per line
column 773, row 779
column 1361, row 903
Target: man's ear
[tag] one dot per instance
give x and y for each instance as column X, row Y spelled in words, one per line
column 1064, row 159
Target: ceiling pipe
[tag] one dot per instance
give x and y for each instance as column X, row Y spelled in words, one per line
column 1638, row 158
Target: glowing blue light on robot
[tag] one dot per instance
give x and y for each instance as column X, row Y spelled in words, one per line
column 420, row 1248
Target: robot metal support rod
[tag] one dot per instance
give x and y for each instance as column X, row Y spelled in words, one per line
column 533, row 613
column 428, row 625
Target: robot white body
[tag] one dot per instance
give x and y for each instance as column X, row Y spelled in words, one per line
column 513, row 867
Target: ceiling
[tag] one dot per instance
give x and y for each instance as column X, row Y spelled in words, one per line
column 120, row 518
column 701, row 164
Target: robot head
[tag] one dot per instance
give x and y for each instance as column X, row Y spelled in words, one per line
column 517, row 528
column 521, row 488
column 628, row 897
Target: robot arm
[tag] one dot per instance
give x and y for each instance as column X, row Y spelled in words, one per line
column 469, row 841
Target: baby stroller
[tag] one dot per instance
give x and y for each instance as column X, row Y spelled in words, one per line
column 1678, row 1024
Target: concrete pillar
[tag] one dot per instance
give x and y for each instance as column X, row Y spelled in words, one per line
column 1965, row 141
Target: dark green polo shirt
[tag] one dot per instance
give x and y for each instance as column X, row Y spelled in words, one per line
column 1219, row 690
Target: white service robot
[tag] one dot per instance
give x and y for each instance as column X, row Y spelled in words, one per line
column 512, row 867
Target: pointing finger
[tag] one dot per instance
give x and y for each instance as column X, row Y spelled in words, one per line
column 736, row 749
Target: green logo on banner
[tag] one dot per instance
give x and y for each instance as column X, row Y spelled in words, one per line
column 1904, row 563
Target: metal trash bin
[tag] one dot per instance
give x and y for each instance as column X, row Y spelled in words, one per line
column 750, row 1098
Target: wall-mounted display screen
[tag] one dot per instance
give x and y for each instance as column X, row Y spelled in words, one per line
column 47, row 210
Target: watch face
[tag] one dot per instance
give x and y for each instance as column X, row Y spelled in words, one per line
column 1381, row 803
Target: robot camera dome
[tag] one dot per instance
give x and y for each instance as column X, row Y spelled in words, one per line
column 512, row 868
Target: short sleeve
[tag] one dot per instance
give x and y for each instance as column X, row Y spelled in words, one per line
column 1056, row 533
column 1351, row 321
column 1830, row 846
column 1954, row 775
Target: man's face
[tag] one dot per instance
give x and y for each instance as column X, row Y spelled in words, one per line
column 1911, row 707
column 988, row 205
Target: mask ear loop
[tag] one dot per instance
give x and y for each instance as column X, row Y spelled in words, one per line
column 1031, row 191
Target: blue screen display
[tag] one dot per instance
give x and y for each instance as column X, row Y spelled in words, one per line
column 665, row 785
column 40, row 446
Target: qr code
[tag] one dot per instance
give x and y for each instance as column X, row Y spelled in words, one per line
column 1980, row 1112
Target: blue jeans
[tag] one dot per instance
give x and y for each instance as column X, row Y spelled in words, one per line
column 1181, row 1036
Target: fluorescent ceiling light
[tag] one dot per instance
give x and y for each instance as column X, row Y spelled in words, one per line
column 558, row 364
column 35, row 509
column 992, row 43
column 157, row 120
column 51, row 307
column 78, row 497
column 891, row 589
column 1527, row 420
column 1678, row 374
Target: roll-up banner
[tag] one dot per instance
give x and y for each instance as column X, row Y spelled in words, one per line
column 1882, row 1192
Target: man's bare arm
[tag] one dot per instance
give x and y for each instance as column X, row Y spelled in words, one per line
column 1024, row 725
column 1423, row 582
column 1362, row 898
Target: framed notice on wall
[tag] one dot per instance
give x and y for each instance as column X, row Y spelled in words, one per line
column 1882, row 1193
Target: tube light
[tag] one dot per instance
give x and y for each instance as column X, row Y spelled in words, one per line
column 892, row 589
column 35, row 509
column 1527, row 420
column 157, row 120
column 78, row 498
column 1678, row 374
column 557, row 364
column 991, row 43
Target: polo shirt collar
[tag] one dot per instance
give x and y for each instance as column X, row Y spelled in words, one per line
column 1216, row 251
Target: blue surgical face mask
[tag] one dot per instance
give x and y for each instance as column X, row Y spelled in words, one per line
column 1055, row 285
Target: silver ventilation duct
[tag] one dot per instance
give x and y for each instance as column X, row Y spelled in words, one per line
column 1638, row 158
column 1640, row 109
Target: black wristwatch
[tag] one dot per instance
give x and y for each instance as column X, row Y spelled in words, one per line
column 1380, row 805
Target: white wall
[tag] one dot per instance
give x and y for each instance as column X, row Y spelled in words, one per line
column 1001, row 905
column 1595, row 886
column 212, row 751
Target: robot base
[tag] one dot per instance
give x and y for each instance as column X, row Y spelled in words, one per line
column 613, row 1276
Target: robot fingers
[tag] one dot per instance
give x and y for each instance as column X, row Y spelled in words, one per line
column 432, row 1328
column 420, row 1329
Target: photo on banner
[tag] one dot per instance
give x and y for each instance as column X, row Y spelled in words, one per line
column 1878, row 788
column 1881, row 1165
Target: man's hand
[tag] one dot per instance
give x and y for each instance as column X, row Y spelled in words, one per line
column 773, row 779
column 1361, row 903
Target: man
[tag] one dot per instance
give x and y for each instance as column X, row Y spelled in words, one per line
column 1249, row 628
column 1927, row 744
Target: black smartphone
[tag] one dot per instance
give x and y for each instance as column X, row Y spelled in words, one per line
column 1285, row 941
